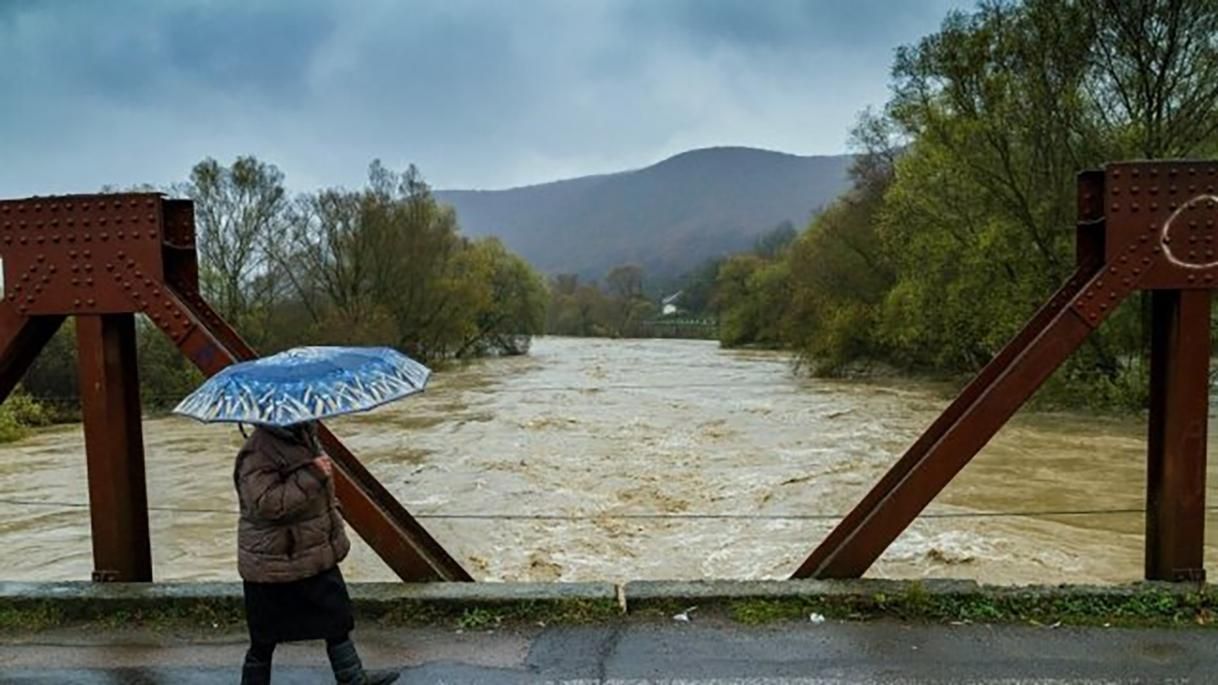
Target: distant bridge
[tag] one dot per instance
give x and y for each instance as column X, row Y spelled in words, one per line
column 699, row 328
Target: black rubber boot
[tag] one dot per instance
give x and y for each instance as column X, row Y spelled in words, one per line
column 255, row 672
column 257, row 667
column 348, row 670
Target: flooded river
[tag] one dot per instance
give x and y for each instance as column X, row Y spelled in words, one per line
column 596, row 459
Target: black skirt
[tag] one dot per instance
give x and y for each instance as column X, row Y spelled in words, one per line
column 313, row 608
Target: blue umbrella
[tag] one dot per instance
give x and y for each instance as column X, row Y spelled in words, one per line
column 305, row 383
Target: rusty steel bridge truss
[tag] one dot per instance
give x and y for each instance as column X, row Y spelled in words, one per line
column 1141, row 226
column 103, row 259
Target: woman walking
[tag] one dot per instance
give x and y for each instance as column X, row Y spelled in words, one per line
column 291, row 537
column 290, row 542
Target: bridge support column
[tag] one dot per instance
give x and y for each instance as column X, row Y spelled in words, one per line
column 114, row 446
column 1179, row 412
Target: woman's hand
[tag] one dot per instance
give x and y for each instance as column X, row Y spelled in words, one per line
column 324, row 465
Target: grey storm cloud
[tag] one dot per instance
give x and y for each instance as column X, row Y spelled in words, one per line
column 477, row 93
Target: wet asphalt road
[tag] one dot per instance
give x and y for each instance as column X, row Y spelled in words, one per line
column 638, row 653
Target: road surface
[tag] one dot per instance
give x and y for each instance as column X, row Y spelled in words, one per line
column 634, row 653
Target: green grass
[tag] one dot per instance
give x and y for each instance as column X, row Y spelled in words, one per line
column 1149, row 606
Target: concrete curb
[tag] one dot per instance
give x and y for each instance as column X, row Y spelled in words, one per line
column 481, row 604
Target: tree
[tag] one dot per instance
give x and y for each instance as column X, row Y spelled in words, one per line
column 771, row 244
column 240, row 210
column 512, row 306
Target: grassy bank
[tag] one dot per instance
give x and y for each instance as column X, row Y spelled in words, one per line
column 26, row 608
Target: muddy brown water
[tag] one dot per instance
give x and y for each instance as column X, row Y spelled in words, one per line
column 615, row 460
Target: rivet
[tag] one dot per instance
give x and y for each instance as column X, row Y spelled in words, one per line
column 88, row 267
column 101, row 221
column 1116, row 206
column 104, row 236
column 1192, row 277
column 76, row 303
column 90, row 302
column 1104, row 306
column 119, row 235
column 88, row 281
column 1124, row 259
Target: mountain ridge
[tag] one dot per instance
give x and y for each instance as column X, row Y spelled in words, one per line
column 667, row 217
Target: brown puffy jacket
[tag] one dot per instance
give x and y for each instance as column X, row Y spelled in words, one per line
column 291, row 526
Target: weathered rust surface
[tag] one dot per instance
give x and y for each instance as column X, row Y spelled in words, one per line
column 104, row 258
column 1179, row 413
column 114, row 446
column 1141, row 225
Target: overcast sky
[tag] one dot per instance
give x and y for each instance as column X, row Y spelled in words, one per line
column 477, row 93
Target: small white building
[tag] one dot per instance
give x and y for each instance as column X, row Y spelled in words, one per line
column 668, row 305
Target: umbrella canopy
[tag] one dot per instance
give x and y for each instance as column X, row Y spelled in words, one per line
column 305, row 383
